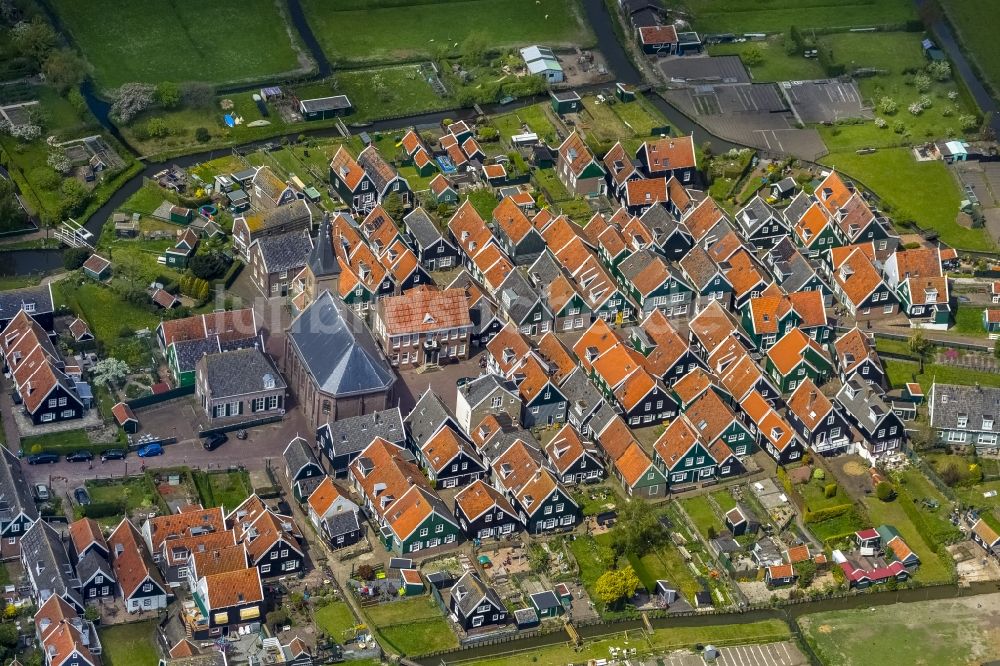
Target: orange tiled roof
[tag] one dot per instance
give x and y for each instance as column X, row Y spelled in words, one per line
column 674, row 152
column 323, row 497
column 512, row 220
column 700, row 219
column 692, row 384
column 219, row 560
column 710, row 416
column 615, row 438
column 559, row 359
column 234, row 588
column 85, row 532
column 635, row 387
column 832, row 192
column 809, row 404
column 478, row 497
column 424, row 310
column 658, row 34
column 774, row 428
column 798, row 554
column 676, row 441
column 670, row 346
column 565, row 448
column 575, row 152
column 617, row 363
column 133, row 564
column 789, row 351
column 177, row 525
column 812, row 223
column 346, row 168
column 632, row 464
column 508, row 338
column 441, row 447
column 922, row 262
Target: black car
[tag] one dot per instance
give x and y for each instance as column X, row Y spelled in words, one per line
column 42, row 458
column 81, row 496
column 214, row 441
column 80, row 456
column 113, row 454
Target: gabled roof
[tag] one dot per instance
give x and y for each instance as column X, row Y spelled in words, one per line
column 508, row 347
column 189, row 521
column 338, row 350
column 574, row 151
column 699, row 267
column 84, row 533
column 618, row 163
column 478, row 497
column 512, row 220
column 809, row 404
column 667, row 152
column 375, row 166
column 443, row 446
column 346, row 168
column 710, row 416
column 635, row 387
column 352, row 434
column 646, row 271
column 324, row 496
column 853, row 348
column 713, row 326
column 677, row 440
column 692, row 385
column 440, row 184
column 790, row 350
column 424, row 310
column 669, row 345
column 854, row 272
column 232, row 588
column 833, row 192
column 612, row 434
column 427, row 416
column 515, row 466
column 596, row 340
column 555, row 354
column 229, row 325
column 632, row 464
column 769, row 423
column 658, row 34
column 565, row 448
column 131, row 560
column 702, row 218
column 646, row 191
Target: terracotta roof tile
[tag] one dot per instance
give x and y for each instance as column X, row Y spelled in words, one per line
column 424, row 310
column 565, row 448
column 676, row 441
column 323, row 497
column 615, row 438
column 809, row 404
column 478, row 497
column 658, row 34
column 512, row 220
column 668, row 152
column 559, row 358
column 635, row 387
column 646, row 191
column 234, row 588
column 770, row 425
column 508, row 347
column 700, row 219
column 85, row 532
column 710, row 416
column 574, row 151
column 633, row 464
column 130, row 559
column 832, row 192
column 599, row 338
column 346, row 168
column 852, row 348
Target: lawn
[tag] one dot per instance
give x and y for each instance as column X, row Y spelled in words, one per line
column 814, row 495
column 548, row 181
column 658, row 642
column 535, row 117
column 776, row 64
column 977, row 23
column 891, row 174
column 147, row 199
column 893, row 54
column 741, row 17
column 932, row 568
column 596, row 499
column 838, row 527
column 900, row 372
column 183, row 40
column 102, row 308
column 702, row 514
column 136, row 492
column 666, row 563
column 62, row 442
column 337, row 620
column 415, row 638
column 969, row 321
column 640, row 116
column 600, row 123
column 942, row 633
column 225, row 489
column 402, row 91
column 130, row 644
column 724, row 499
column 412, row 627
column 391, row 31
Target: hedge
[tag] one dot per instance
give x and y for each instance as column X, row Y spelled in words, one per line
column 820, row 515
column 103, row 509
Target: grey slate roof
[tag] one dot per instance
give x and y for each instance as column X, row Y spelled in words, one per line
column 420, row 225
column 797, row 208
column 868, row 406
column 322, row 260
column 338, row 350
column 545, row 269
column 285, row 252
column 473, row 591
column 49, row 566
column 754, row 214
column 481, row 314
column 189, row 352
column 660, row 221
column 353, row 434
column 342, row 522
column 638, row 261
column 581, row 395
column 92, row 563
column 427, row 416
column 293, row 211
column 298, row 454
column 517, row 296
column 949, row 401
column 482, row 387
column 602, row 417
column 380, row 171
column 13, row 300
column 241, row 371
column 15, row 493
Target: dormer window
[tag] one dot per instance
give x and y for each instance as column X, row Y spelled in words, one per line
column 963, row 420
column 987, row 423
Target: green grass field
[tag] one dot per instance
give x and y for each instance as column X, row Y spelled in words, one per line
column 412, row 627
column 337, row 620
column 102, row 308
column 535, row 117
column 977, row 23
column 942, row 633
column 136, row 491
column 353, row 32
column 130, row 644
column 932, row 568
column 702, row 514
column 777, row 65
column 656, row 643
column 838, row 526
column 740, row 16
column 893, row 54
column 813, row 493
column 225, row 489
column 891, row 173
column 184, row 40
column 900, row 372
column 666, row 563
column 969, row 321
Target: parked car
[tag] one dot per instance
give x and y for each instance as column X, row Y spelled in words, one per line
column 80, row 456
column 81, row 496
column 113, row 454
column 462, row 381
column 214, row 441
column 43, row 458
column 41, row 492
column 150, row 450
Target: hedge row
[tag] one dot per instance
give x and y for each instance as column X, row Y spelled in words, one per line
column 820, row 515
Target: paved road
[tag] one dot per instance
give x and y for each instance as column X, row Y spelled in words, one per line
column 941, row 29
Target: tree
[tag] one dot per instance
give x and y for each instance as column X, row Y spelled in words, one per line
column 474, row 47
column 157, row 128
column 130, row 351
column 920, row 346
column 806, row 572
column 12, row 216
column 91, row 614
column 887, row 105
column 35, row 40
column 393, row 206
column 197, row 94
column 968, row 122
column 64, row 69
column 131, row 99
column 940, row 70
column 752, row 56
column 207, row 265
column 637, row 530
column 277, row 618
column 74, row 257
column 74, row 196
column 616, row 585
column 885, row 492
column 202, row 135
column 538, row 558
column 996, row 348
column 8, row 634
column 58, row 160
column 168, row 94
column 110, row 371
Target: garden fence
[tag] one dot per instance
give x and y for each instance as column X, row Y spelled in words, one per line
column 157, row 398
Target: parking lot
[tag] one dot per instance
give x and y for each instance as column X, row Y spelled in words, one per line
column 825, row 101
column 767, row 654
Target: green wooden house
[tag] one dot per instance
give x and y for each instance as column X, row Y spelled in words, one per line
column 795, row 357
column 991, row 322
column 566, row 101
column 97, row 267
column 680, row 454
column 404, row 533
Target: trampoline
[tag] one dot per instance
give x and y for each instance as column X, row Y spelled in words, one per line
column 208, row 211
column 447, row 166
column 229, row 120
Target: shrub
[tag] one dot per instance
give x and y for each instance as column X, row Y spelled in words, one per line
column 916, row 108
column 365, row 572
column 752, row 56
column 899, row 127
column 830, row 491
column 157, row 128
column 74, row 257
column 888, row 106
column 818, row 474
column 202, row 135
column 968, row 122
column 940, row 70
column 277, row 618
column 922, row 82
column 207, row 266
column 885, row 492
column 881, row 123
